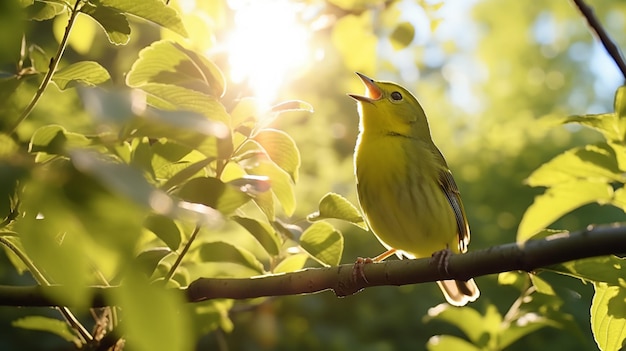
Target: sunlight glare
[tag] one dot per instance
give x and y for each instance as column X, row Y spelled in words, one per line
column 266, row 45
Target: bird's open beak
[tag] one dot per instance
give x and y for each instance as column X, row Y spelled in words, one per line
column 372, row 90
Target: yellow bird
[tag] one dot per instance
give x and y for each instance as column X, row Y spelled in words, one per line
column 405, row 188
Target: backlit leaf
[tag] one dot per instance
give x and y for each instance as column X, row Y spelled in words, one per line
column 336, row 206
column 47, row 324
column 608, row 316
column 262, row 232
column 596, row 163
column 88, row 73
column 164, row 228
column 114, row 23
column 152, row 10
column 323, row 242
column 281, row 149
column 559, row 200
column 223, row 252
column 214, row 193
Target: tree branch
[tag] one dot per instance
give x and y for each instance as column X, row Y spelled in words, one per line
column 528, row 256
column 604, row 37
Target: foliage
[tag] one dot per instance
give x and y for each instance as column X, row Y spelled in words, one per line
column 133, row 158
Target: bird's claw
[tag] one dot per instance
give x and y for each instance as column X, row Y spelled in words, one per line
column 441, row 258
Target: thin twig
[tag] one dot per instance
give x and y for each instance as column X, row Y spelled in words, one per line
column 604, row 37
column 54, row 63
column 180, row 257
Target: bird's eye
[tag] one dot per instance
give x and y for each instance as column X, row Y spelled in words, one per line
column 396, row 96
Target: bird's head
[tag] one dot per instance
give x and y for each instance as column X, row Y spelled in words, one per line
column 389, row 108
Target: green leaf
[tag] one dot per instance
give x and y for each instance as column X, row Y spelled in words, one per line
column 114, row 23
column 186, row 128
column 41, row 11
column 88, row 73
column 292, row 105
column 148, row 260
column 214, row 193
column 619, row 198
column 51, row 325
column 336, row 206
column 449, row 342
column 402, row 35
column 471, row 323
column 620, row 111
column 281, row 184
column 606, row 269
column 186, row 173
column 54, row 140
column 262, row 232
column 541, row 285
column 38, row 59
column 354, row 33
column 559, row 200
column 597, row 163
column 220, row 251
column 281, row 149
column 164, row 228
column 608, row 316
column 152, row 10
column 172, row 97
column 154, row 318
column 291, row 263
column 323, row 242
column 168, row 63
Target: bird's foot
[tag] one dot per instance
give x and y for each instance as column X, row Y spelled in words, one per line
column 357, row 270
column 441, row 258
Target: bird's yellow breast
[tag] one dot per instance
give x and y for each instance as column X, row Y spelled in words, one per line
column 399, row 192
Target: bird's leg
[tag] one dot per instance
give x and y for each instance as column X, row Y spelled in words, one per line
column 357, row 270
column 442, row 257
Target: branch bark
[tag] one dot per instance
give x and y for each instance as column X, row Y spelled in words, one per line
column 605, row 39
column 529, row 256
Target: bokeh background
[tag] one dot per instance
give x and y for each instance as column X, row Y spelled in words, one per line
column 495, row 78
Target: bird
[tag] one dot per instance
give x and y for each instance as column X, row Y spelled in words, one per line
column 405, row 188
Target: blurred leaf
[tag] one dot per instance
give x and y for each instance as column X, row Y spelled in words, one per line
column 449, row 342
column 336, row 206
column 164, row 228
column 281, row 149
column 291, row 263
column 605, row 269
column 541, row 285
column 41, row 11
column 323, row 242
column 86, row 72
column 55, row 140
column 595, row 163
column 51, row 325
column 292, row 105
column 154, row 318
column 619, row 198
column 149, row 259
column 262, row 232
column 475, row 326
column 38, row 59
column 402, row 35
column 220, row 251
column 620, row 154
column 353, row 34
column 559, row 200
column 608, row 316
column 213, row 314
column 281, row 184
column 114, row 23
column 214, row 193
column 168, row 63
column 152, row 10
column 186, row 173
column 611, row 125
column 246, row 113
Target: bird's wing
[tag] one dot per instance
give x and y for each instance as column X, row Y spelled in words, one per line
column 449, row 187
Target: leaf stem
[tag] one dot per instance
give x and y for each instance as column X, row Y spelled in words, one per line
column 54, row 63
column 182, row 254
